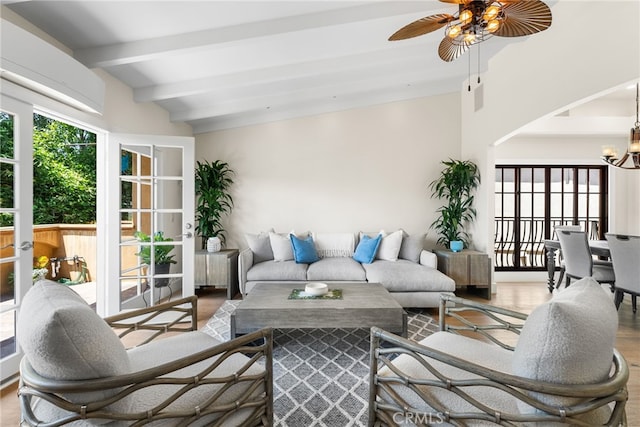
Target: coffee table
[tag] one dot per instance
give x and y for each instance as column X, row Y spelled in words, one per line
column 362, row 305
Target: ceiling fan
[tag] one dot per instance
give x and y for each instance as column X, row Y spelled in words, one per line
column 478, row 20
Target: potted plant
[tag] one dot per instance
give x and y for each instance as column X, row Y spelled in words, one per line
column 162, row 258
column 212, row 183
column 456, row 184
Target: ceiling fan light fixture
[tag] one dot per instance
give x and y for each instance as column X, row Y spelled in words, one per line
column 476, row 21
column 491, row 13
column 469, row 38
column 465, row 16
column 493, row 25
column 454, row 31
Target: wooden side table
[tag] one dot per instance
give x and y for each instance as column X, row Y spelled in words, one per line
column 217, row 269
column 468, row 268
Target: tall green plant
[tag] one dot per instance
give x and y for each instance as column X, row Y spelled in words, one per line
column 213, row 181
column 456, row 183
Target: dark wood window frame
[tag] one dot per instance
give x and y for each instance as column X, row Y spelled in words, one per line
column 518, row 240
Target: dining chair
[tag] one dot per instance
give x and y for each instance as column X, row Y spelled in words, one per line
column 579, row 262
column 560, row 257
column 625, row 255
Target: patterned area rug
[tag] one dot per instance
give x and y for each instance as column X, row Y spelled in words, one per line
column 321, row 376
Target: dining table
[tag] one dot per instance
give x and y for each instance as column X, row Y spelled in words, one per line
column 598, row 247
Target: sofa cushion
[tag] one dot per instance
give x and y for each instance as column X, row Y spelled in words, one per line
column 336, row 269
column 486, row 354
column 390, row 246
column 367, row 247
column 260, row 245
column 335, row 244
column 569, row 339
column 407, row 276
column 412, row 246
column 304, row 250
column 277, row 271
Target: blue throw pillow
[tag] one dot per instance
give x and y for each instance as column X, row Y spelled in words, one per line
column 304, row 251
column 367, row 248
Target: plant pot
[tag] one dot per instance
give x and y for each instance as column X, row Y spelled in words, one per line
column 456, row 245
column 162, row 269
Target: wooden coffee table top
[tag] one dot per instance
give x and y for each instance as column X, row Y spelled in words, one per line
column 362, row 305
column 354, row 295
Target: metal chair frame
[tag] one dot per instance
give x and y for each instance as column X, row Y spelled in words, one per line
column 386, row 401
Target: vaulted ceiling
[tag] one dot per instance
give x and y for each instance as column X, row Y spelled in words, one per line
column 221, row 64
column 224, row 64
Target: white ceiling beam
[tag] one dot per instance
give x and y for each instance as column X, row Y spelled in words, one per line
column 412, row 55
column 144, row 50
column 313, row 107
column 282, row 95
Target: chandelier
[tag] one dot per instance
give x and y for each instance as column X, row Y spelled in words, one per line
column 631, row 158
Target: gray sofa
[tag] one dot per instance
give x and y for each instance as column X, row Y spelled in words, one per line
column 401, row 264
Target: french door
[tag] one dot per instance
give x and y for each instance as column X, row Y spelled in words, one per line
column 16, row 217
column 150, row 216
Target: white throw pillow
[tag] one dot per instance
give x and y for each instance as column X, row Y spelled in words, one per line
column 331, row 245
column 412, row 246
column 390, row 246
column 260, row 245
column 568, row 340
column 64, row 339
column 281, row 246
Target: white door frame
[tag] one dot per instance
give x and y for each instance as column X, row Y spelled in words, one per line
column 23, row 219
column 109, row 224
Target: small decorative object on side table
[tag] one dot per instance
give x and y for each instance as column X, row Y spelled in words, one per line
column 468, row 268
column 217, row 269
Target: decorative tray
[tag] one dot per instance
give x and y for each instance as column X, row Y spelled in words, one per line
column 301, row 294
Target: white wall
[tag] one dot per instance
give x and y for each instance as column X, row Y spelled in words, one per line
column 123, row 114
column 545, row 75
column 552, row 150
column 362, row 169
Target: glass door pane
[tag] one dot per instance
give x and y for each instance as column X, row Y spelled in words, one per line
column 155, row 244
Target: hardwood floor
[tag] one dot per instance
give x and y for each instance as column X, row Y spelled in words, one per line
column 522, row 297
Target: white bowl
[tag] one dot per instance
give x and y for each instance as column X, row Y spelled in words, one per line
column 316, row 288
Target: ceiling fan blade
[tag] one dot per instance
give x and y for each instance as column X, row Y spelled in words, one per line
column 524, row 18
column 449, row 49
column 422, row 26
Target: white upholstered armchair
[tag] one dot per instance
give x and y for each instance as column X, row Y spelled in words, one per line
column 562, row 369
column 77, row 371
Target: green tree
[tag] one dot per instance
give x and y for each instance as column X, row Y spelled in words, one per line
column 64, row 172
column 6, row 169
